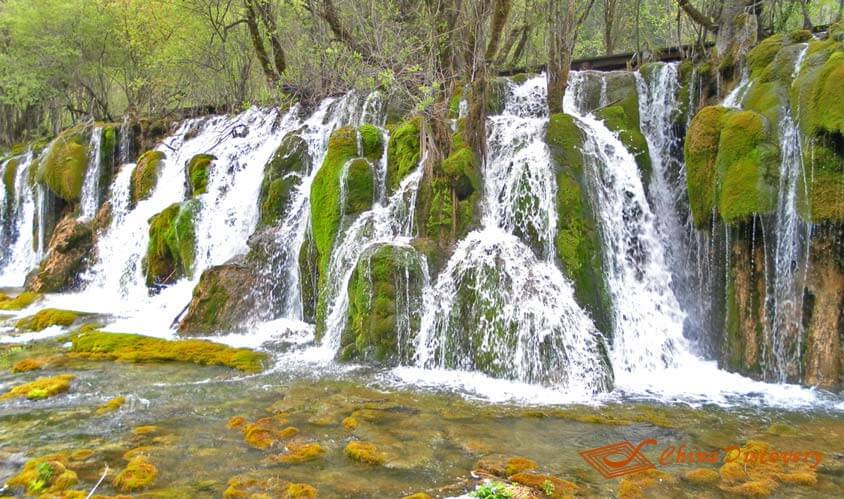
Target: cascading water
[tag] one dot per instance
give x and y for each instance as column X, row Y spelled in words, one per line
column 496, row 307
column 790, row 257
column 90, row 197
column 648, row 320
column 125, row 145
column 21, row 253
column 658, row 112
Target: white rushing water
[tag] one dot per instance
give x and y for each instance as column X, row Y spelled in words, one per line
column 21, row 253
column 648, row 320
column 90, row 198
column 497, row 307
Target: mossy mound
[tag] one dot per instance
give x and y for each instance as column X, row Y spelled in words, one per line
column 381, row 326
column 98, row 345
column 145, row 176
column 578, row 240
column 364, row 452
column 756, row 470
column 19, row 302
column 732, row 165
column 46, row 318
column 63, row 167
column 138, row 474
column 503, row 466
column 403, row 152
column 299, row 453
column 45, row 476
column 282, row 175
column 222, row 300
column 550, row 486
column 263, row 485
column 41, row 388
column 68, row 251
column 10, row 171
column 197, row 172
column 172, row 244
column 371, row 142
column 358, row 187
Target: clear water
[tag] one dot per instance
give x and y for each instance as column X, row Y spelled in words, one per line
column 22, row 253
column 89, row 201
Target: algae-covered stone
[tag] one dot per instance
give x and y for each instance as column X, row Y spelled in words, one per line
column 145, row 175
column 47, row 318
column 99, row 345
column 364, row 452
column 110, row 406
column 578, row 241
column 44, row 476
column 138, row 474
column 41, row 388
column 385, row 301
column 68, row 251
column 63, row 167
column 282, row 176
column 222, row 300
column 172, row 244
column 403, row 152
column 618, row 119
column 19, row 302
column 197, row 172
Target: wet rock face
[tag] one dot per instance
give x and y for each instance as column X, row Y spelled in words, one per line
column 70, row 246
column 222, row 301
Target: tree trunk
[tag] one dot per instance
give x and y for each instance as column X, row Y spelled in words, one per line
column 804, row 8
column 737, row 29
column 258, row 44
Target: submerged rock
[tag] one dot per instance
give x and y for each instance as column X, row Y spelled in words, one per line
column 41, row 388
column 222, row 301
column 138, row 474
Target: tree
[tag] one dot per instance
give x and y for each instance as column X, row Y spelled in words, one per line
column 564, row 20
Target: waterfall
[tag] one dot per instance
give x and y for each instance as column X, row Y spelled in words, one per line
column 497, row 307
column 125, row 145
column 658, row 110
column 21, row 252
column 648, row 319
column 790, row 255
column 90, row 198
column 736, row 96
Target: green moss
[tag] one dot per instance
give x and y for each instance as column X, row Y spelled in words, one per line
column 46, row 318
column 19, row 302
column 577, row 241
column 364, row 452
column 371, row 142
column 701, row 152
column 63, row 168
column 800, row 36
column 382, row 281
column 197, row 171
column 110, row 406
column 99, row 345
column 454, row 101
column 45, row 476
column 620, row 119
column 9, row 174
column 145, row 175
column 763, row 54
column 282, row 175
column 172, row 243
column 359, row 187
column 403, row 152
column 41, row 388
column 826, row 114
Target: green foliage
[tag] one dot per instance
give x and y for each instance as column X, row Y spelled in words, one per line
column 492, row 490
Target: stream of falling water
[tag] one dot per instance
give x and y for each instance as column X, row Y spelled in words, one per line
column 90, row 197
column 21, row 253
column 648, row 320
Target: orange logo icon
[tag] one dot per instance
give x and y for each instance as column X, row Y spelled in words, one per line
column 619, row 459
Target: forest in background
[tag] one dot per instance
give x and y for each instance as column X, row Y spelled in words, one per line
column 67, row 61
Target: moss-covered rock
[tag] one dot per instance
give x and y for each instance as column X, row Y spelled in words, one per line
column 371, row 142
column 364, row 452
column 578, row 240
column 18, row 302
column 357, row 187
column 403, row 152
column 44, row 476
column 172, row 244
column 222, row 300
column 62, row 168
column 619, row 119
column 69, row 249
column 385, row 295
column 282, row 175
column 145, row 175
column 46, row 318
column 197, row 173
column 138, row 474
column 732, row 165
column 110, row 406
column 41, row 388
column 99, row 345
column 10, row 171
